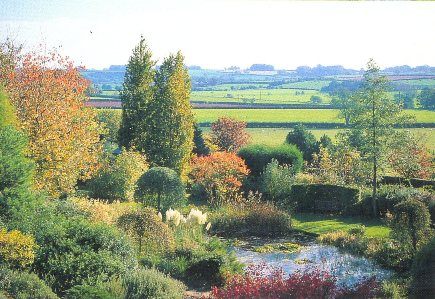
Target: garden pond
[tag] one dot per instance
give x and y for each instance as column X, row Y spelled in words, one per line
column 290, row 257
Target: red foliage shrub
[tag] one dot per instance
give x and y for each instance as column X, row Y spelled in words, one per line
column 300, row 285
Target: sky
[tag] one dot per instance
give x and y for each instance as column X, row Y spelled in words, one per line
column 221, row 33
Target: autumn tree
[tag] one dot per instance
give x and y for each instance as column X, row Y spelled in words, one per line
column 168, row 128
column 409, row 157
column 137, row 93
column 374, row 116
column 49, row 95
column 220, row 174
column 229, row 134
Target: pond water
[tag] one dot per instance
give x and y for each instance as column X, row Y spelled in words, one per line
column 346, row 268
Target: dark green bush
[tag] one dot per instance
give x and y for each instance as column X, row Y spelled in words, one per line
column 16, row 170
column 88, row 292
column 160, row 188
column 304, row 141
column 150, row 283
column 324, row 198
column 24, row 285
column 257, row 156
column 423, row 271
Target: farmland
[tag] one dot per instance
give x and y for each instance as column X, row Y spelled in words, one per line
column 268, row 96
column 291, row 115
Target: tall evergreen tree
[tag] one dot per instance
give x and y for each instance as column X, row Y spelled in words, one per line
column 137, row 93
column 169, row 125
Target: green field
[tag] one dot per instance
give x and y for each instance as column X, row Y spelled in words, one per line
column 322, row 224
column 291, row 115
column 264, row 96
column 272, row 136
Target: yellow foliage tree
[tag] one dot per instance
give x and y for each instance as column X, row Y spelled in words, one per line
column 49, row 95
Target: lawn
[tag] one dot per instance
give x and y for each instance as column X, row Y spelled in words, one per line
column 321, row 224
column 265, row 96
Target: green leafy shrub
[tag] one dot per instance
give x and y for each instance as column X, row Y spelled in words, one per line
column 277, row 181
column 24, row 285
column 411, row 223
column 160, row 188
column 323, row 198
column 423, row 271
column 88, row 292
column 75, row 251
column 253, row 219
column 150, row 283
column 117, row 180
column 148, row 231
column 257, row 156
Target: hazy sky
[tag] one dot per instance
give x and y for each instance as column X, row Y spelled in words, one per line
column 220, row 33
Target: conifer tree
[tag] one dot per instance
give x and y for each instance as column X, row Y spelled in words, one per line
column 169, row 122
column 138, row 91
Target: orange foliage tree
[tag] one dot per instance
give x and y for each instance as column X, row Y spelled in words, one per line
column 49, row 95
column 229, row 134
column 220, row 174
column 409, row 157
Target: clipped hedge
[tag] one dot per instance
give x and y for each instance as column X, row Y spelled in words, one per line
column 324, row 198
column 257, row 156
column 416, row 183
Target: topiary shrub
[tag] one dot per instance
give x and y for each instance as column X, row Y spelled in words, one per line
column 23, row 285
column 160, row 188
column 16, row 249
column 257, row 156
column 423, row 271
column 323, row 198
column 251, row 219
column 411, row 223
column 88, row 292
column 148, row 231
column 150, row 283
column 117, row 180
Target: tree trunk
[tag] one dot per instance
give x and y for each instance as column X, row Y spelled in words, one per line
column 375, row 163
column 158, row 202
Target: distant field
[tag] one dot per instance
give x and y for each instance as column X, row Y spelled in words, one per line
column 272, row 136
column 418, row 82
column 291, row 115
column 270, row 115
column 311, row 84
column 267, row 96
